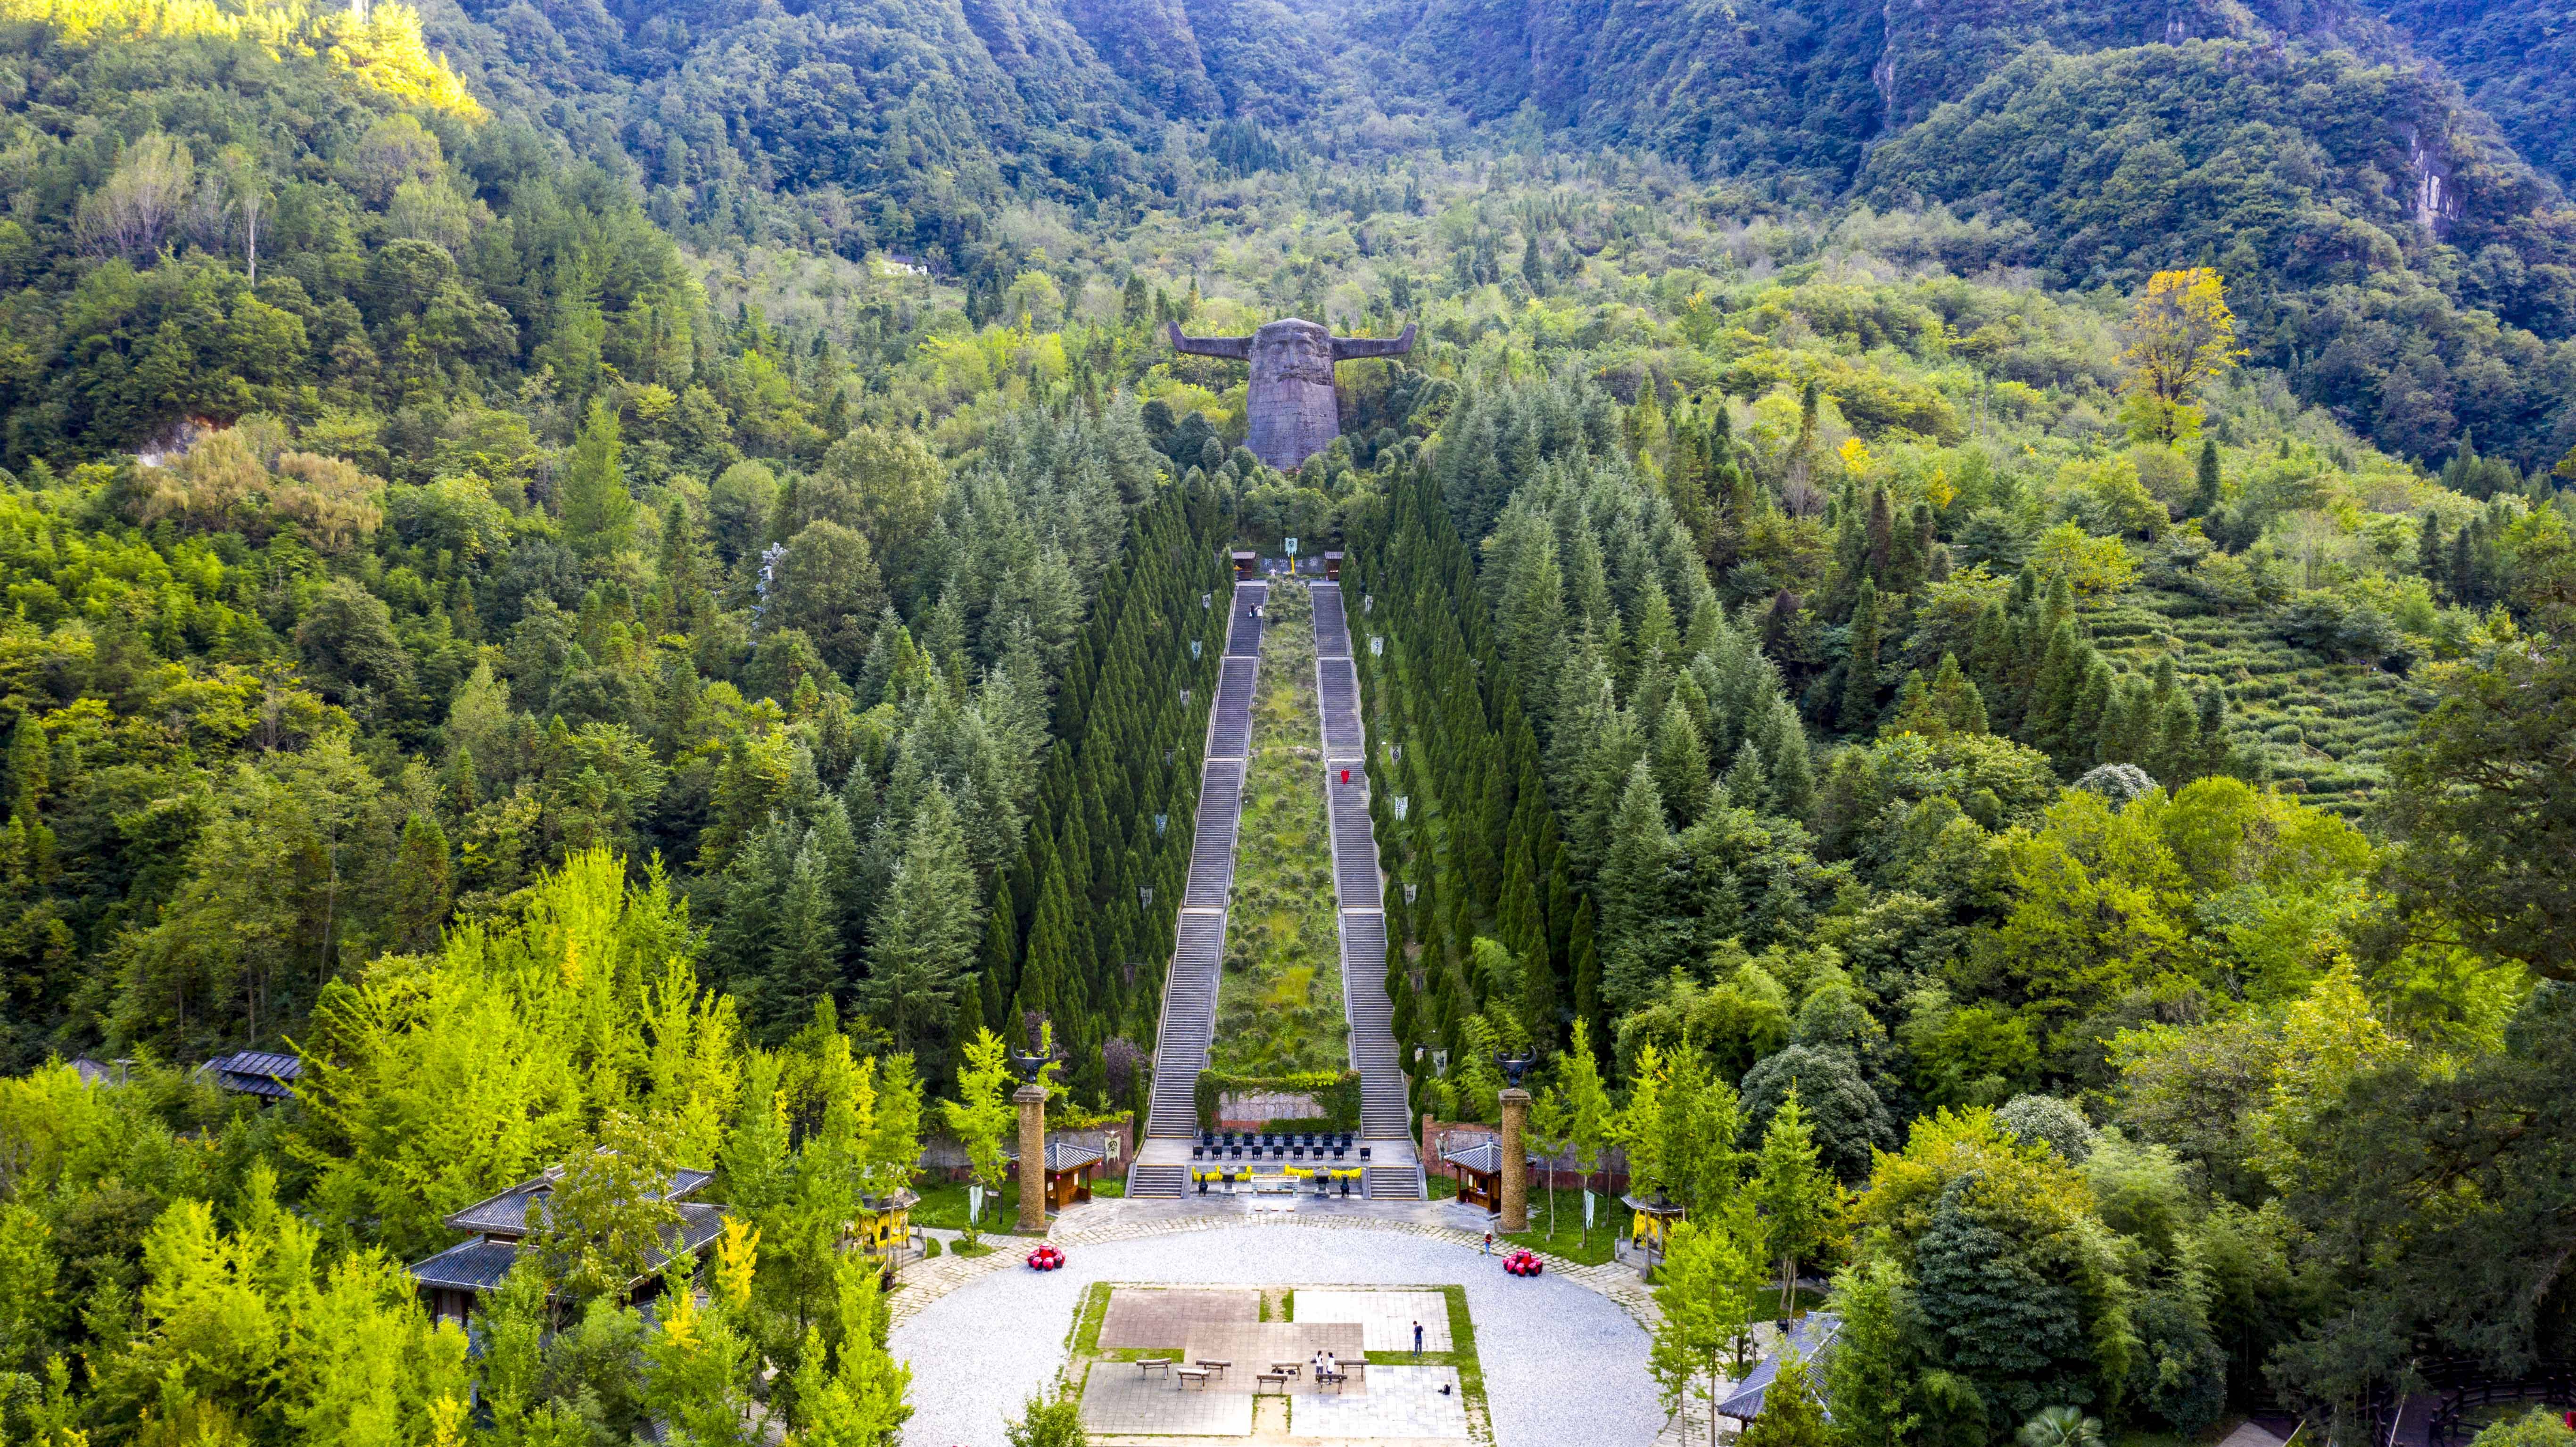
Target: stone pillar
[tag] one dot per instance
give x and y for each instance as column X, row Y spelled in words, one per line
column 1516, row 1104
column 1031, row 1100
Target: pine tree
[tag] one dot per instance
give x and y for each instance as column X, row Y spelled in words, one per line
column 922, row 941
column 598, row 512
column 420, row 884
column 1914, row 713
column 1635, row 890
column 1797, row 1199
column 738, row 947
column 1956, row 700
column 1859, row 709
column 1881, row 531
column 1680, row 766
column 2204, row 497
column 804, row 950
column 1583, row 963
column 1791, row 776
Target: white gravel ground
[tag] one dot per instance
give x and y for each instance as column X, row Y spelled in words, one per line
column 1562, row 1364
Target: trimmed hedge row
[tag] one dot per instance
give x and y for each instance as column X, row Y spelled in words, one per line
column 1337, row 1091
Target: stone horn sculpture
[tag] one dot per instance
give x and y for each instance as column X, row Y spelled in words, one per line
column 1294, row 414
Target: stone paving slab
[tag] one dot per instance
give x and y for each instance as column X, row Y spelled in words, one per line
column 1403, row 1402
column 1120, row 1399
column 1385, row 1318
column 1145, row 1317
column 1581, row 1320
column 1253, row 1345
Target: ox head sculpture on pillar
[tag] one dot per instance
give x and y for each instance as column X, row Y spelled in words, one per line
column 1293, row 412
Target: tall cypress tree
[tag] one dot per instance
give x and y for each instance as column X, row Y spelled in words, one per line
column 1860, row 677
column 2204, row 496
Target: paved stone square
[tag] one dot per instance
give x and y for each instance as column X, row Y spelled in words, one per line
column 1385, row 1318
column 1147, row 1317
column 1402, row 1402
column 982, row 1334
column 1253, row 1345
column 1119, row 1400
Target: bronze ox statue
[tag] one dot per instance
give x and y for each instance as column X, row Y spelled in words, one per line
column 1293, row 412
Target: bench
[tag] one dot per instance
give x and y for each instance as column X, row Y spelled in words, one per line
column 1334, row 1380
column 1263, row 1380
column 1287, row 1369
column 1192, row 1376
column 1147, row 1364
column 1206, row 1366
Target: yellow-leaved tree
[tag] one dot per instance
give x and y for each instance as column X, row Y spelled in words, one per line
column 2181, row 335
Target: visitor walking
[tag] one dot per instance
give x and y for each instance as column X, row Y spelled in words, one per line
column 1417, row 1338
column 1489, row 1243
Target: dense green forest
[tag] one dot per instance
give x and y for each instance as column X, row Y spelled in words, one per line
column 1965, row 603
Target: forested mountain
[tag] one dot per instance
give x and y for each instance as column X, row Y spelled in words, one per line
column 2376, row 227
column 2507, row 55
column 1960, row 607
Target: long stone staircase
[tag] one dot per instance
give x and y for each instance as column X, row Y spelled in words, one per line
column 1394, row 1173
column 1189, row 988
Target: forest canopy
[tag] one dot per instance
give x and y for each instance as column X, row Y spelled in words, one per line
column 1961, row 628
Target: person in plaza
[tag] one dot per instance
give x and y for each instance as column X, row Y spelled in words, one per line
column 1417, row 1338
column 1489, row 1243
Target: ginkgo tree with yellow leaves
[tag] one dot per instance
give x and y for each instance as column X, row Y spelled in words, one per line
column 2180, row 336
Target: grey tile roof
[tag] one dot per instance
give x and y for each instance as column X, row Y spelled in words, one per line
column 1810, row 1337
column 1065, row 1155
column 1485, row 1156
column 257, row 1072
column 480, row 1265
column 506, row 1213
column 476, row 1265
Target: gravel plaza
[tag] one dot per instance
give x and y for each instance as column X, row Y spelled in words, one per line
column 1561, row 1362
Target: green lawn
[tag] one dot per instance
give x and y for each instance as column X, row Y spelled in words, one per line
column 1279, row 997
column 943, row 1203
column 1567, row 1238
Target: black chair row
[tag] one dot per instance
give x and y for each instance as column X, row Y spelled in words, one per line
column 1324, row 1185
column 1301, row 1155
column 1314, row 1140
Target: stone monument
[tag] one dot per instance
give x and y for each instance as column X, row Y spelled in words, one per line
column 1031, row 1099
column 1294, row 414
column 1514, row 1206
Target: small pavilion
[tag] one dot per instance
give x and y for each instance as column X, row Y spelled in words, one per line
column 1651, row 1220
column 1479, row 1170
column 452, row 1281
column 1070, row 1167
column 882, row 1228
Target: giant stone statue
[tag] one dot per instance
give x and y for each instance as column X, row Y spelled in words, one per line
column 1294, row 414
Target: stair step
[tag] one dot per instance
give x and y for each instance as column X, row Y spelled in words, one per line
column 1156, row 1182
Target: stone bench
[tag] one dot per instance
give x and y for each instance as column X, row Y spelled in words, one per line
column 1149, row 1364
column 1192, row 1376
column 1264, row 1380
